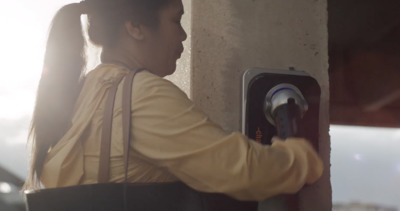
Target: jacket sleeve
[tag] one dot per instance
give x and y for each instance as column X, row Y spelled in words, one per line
column 170, row 132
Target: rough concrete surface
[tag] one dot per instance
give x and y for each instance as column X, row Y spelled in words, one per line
column 229, row 37
column 181, row 77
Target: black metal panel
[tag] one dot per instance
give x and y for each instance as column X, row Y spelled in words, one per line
column 257, row 126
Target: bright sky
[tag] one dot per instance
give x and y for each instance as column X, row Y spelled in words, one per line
column 24, row 29
column 24, row 25
column 365, row 165
column 365, row 161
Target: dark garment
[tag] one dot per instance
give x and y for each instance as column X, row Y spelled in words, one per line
column 139, row 197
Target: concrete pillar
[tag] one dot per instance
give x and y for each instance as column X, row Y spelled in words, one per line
column 181, row 77
column 229, row 36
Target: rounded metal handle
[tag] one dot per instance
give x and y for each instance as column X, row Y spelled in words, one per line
column 279, row 95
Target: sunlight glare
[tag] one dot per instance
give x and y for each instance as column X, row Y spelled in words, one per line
column 23, row 48
column 23, row 45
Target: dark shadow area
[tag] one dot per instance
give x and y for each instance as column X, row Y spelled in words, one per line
column 364, row 58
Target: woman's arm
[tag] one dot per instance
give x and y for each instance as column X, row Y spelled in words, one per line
column 170, row 132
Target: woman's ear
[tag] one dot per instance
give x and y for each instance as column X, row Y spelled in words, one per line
column 134, row 30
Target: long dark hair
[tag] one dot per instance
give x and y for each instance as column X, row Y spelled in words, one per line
column 65, row 62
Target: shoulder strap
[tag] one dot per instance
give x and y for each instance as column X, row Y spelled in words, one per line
column 126, row 117
column 105, row 145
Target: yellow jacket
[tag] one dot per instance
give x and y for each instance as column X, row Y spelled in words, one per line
column 173, row 140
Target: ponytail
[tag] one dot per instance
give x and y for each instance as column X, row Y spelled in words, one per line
column 59, row 86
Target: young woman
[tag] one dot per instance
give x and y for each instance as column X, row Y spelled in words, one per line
column 172, row 139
